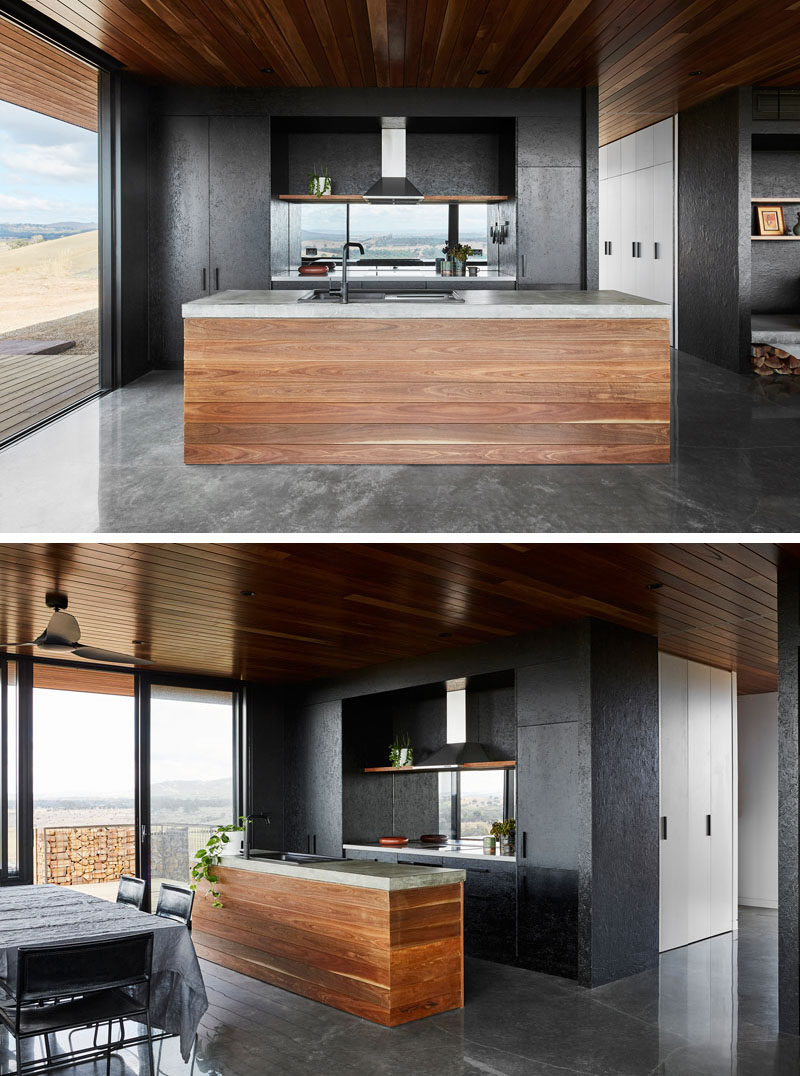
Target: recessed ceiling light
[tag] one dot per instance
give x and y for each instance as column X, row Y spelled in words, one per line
column 483, row 71
column 137, row 642
column 247, row 593
column 694, row 74
column 268, row 70
column 653, row 586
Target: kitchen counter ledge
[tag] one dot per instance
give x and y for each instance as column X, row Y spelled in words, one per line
column 477, row 304
column 364, row 875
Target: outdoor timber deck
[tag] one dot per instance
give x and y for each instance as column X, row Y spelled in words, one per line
column 33, row 387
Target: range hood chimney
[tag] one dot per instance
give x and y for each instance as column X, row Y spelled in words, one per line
column 393, row 188
column 458, row 750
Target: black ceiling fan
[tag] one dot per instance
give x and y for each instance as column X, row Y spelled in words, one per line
column 62, row 636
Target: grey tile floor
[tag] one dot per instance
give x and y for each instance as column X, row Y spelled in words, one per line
column 116, row 465
column 709, row 1010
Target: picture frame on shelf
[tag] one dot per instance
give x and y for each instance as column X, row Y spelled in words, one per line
column 770, row 220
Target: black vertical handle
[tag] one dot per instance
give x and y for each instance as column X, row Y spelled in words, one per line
column 523, row 265
column 524, row 844
column 204, row 280
column 656, row 251
column 633, row 250
column 610, row 247
column 638, row 250
column 708, row 825
column 216, row 279
column 663, row 827
column 315, row 844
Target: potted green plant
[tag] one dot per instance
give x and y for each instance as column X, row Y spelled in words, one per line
column 506, row 833
column 457, row 256
column 319, row 183
column 207, row 858
column 401, row 753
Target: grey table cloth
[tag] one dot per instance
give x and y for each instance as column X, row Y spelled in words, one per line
column 38, row 914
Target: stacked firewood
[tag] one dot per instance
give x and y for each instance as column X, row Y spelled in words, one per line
column 768, row 360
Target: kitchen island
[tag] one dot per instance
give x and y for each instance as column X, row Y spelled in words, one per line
column 495, row 377
column 381, row 940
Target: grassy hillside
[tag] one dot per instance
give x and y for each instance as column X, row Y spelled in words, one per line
column 48, row 280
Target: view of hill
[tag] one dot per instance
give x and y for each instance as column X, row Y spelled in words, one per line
column 171, row 801
column 48, row 280
column 47, row 231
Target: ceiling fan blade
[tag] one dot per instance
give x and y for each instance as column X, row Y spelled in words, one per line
column 93, row 653
column 63, row 626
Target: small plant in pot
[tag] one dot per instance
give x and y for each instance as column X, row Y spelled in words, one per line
column 401, row 753
column 207, row 858
column 506, row 833
column 457, row 256
column 319, row 182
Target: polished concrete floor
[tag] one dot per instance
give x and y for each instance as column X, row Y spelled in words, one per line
column 116, row 466
column 709, row 1010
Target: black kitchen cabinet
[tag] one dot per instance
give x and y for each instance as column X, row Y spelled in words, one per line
column 313, row 785
column 550, row 227
column 547, row 846
column 490, row 908
column 209, row 196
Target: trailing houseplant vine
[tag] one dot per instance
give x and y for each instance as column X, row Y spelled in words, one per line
column 207, row 858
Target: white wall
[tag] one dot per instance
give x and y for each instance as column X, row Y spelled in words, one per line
column 758, row 800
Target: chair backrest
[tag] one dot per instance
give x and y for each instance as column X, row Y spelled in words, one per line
column 83, row 967
column 175, row 902
column 130, row 891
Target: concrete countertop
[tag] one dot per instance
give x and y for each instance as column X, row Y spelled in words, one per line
column 364, row 875
column 416, row 849
column 476, row 304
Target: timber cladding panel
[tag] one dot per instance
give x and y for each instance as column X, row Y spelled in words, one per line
column 390, row 957
column 433, row 390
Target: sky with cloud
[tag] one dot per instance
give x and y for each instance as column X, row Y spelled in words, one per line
column 48, row 169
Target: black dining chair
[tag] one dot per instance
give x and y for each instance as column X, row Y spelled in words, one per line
column 75, row 985
column 131, row 891
column 175, row 902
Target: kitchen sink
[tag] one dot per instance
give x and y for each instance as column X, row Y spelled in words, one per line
column 322, row 296
column 293, row 857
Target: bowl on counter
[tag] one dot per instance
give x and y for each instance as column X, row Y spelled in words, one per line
column 434, row 838
column 393, row 842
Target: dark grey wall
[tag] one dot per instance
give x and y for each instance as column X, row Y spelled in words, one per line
column 714, row 215
column 620, row 933
column 775, row 276
column 313, row 778
column 788, row 799
column 130, row 156
column 265, row 764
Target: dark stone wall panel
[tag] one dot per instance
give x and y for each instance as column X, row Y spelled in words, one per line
column 624, row 804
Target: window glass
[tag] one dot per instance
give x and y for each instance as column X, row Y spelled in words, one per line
column 473, row 229
column 481, row 801
column 400, row 231
column 323, row 230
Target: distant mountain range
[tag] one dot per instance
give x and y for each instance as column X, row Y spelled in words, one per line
column 164, row 793
column 47, row 231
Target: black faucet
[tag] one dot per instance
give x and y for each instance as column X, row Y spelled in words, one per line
column 345, row 249
column 250, row 819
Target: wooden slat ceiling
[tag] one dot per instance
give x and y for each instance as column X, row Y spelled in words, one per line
column 322, row 609
column 650, row 58
column 36, row 75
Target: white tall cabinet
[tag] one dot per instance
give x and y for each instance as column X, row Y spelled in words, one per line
column 637, row 213
column 698, row 820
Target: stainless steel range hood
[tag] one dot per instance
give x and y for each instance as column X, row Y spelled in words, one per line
column 393, row 188
column 454, row 754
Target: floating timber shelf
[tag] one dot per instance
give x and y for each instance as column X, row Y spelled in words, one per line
column 772, row 238
column 430, row 198
column 505, row 765
column 778, row 199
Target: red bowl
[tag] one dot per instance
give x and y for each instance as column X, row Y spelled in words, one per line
column 313, row 270
column 393, row 842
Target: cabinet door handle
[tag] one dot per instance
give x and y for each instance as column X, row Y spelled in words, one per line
column 315, row 844
column 708, row 825
column 204, row 280
column 523, row 265
column 663, row 827
column 216, row 279
column 638, row 250
column 610, row 247
column 633, row 250
column 656, row 251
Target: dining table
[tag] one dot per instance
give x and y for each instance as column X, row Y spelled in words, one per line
column 42, row 914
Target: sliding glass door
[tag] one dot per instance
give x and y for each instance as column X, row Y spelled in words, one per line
column 192, row 773
column 9, row 764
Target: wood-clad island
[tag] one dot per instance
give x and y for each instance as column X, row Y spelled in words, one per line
column 381, row 940
column 502, row 377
